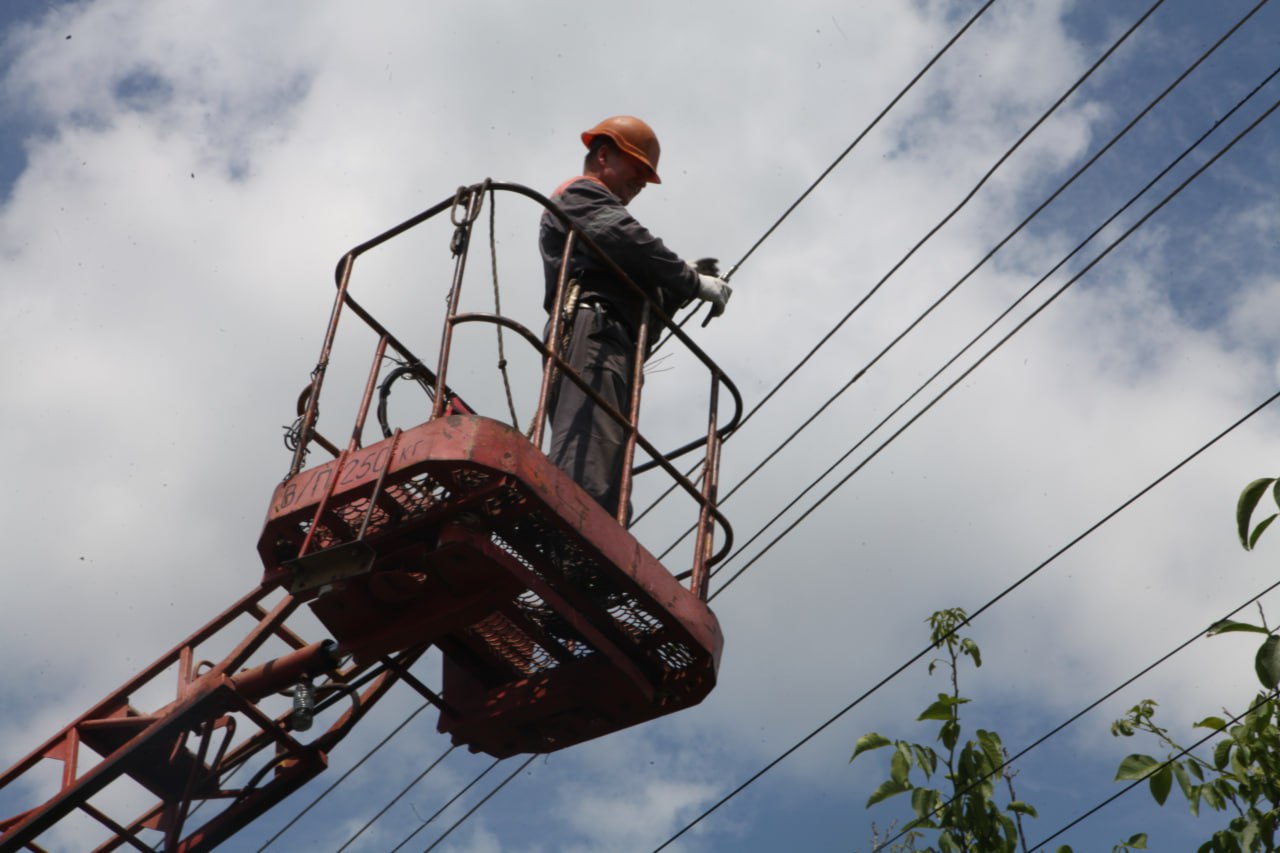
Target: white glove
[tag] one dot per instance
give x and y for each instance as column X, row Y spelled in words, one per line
column 716, row 291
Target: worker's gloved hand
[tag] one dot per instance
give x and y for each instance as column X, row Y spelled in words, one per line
column 716, row 291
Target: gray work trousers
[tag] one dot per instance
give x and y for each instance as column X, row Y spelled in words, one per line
column 586, row 443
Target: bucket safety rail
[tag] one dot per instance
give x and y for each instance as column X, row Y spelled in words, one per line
column 464, row 209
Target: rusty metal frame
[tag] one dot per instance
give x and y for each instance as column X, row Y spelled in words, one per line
column 465, row 206
column 154, row 750
column 185, row 751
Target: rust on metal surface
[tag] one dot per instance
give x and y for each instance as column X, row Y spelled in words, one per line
column 555, row 625
column 537, row 598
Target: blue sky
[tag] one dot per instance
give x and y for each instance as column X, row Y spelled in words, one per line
column 177, row 181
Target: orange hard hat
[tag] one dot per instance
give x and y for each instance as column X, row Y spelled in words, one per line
column 633, row 137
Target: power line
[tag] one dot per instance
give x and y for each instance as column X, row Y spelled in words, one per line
column 1081, row 713
column 1036, row 312
column 342, row 778
column 451, row 801
column 955, row 38
column 868, row 295
column 902, row 93
column 991, row 253
column 897, row 98
column 969, row 621
column 1000, row 343
column 827, row 171
column 473, row 809
column 964, row 201
column 371, row 821
column 936, row 228
column 1166, row 763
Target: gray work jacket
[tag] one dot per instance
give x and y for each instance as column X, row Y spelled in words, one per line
column 589, row 204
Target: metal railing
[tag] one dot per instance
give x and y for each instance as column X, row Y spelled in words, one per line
column 464, row 208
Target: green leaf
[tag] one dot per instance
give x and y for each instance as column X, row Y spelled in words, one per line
column 900, row 764
column 1184, row 781
column 1023, row 808
column 1136, row 767
column 926, row 759
column 1238, row 759
column 1244, row 507
column 1229, row 626
column 1222, row 754
column 869, row 741
column 887, row 789
column 1258, row 531
column 1137, row 842
column 991, row 745
column 1267, row 663
column 1216, row 723
column 1213, row 797
column 1161, row 784
column 941, row 710
column 923, row 802
column 1249, row 835
column 949, row 734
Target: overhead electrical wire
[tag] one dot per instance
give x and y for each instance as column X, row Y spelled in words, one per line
column 1000, row 343
column 935, row 229
column 461, row 792
column 1266, row 697
column 353, row 768
column 1093, row 234
column 990, row 254
column 916, row 658
column 964, row 201
column 1022, row 753
column 1105, row 519
column 487, row 797
column 893, row 103
column 807, row 357
column 857, row 139
column 1132, row 200
column 371, row 821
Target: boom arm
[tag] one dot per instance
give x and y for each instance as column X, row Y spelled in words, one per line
column 224, row 721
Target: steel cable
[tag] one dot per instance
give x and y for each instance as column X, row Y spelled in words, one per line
column 927, row 237
column 1162, row 765
column 992, row 252
column 343, row 777
column 371, row 821
column 897, row 98
column 1008, row 761
column 934, row 230
column 911, row 84
column 1000, row 343
column 827, row 171
column 451, row 801
column 916, row 658
column 955, row 38
column 476, row 807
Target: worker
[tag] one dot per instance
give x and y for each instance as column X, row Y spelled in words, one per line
column 600, row 345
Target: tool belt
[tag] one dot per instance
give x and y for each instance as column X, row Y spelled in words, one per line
column 573, row 292
column 569, row 310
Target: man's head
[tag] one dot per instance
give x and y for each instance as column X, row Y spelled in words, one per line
column 622, row 152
